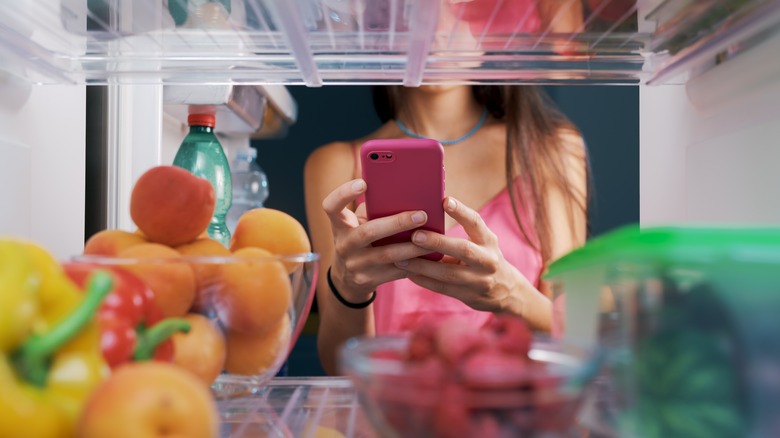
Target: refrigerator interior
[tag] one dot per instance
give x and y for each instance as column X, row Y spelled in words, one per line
column 707, row 71
column 703, row 68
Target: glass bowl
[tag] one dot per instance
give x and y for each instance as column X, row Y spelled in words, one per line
column 258, row 304
column 413, row 400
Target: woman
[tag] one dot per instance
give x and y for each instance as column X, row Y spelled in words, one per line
column 517, row 199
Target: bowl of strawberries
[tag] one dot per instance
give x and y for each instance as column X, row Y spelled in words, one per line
column 445, row 380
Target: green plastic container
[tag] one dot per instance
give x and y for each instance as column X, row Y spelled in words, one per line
column 688, row 320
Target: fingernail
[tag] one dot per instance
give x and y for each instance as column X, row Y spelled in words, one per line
column 402, row 263
column 451, row 204
column 358, row 185
column 420, row 237
column 418, row 217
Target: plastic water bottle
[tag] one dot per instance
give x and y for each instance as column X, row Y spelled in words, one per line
column 250, row 185
column 201, row 153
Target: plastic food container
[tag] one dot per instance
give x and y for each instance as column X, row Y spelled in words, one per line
column 258, row 304
column 687, row 317
column 406, row 401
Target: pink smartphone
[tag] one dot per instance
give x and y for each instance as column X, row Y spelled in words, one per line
column 404, row 175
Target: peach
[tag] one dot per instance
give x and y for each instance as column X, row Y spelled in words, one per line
column 201, row 350
column 111, row 242
column 172, row 281
column 272, row 230
column 252, row 295
column 172, row 206
column 206, row 274
column 150, row 400
column 252, row 354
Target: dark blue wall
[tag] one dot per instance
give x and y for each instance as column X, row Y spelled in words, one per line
column 325, row 114
column 609, row 120
column 607, row 116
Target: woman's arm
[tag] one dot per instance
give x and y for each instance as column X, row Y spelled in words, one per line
column 568, row 218
column 343, row 240
column 327, row 168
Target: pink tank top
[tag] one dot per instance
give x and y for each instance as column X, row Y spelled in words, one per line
column 401, row 305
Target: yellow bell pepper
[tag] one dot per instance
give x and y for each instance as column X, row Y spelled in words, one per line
column 18, row 295
column 46, row 378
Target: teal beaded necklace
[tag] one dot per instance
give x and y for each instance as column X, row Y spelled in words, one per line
column 473, row 131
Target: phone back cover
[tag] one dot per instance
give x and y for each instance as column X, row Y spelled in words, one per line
column 413, row 180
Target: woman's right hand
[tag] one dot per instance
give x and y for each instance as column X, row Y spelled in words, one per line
column 358, row 268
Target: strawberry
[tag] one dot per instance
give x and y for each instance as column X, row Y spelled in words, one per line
column 492, row 369
column 511, row 335
column 454, row 341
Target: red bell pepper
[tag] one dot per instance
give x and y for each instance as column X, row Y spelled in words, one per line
column 132, row 326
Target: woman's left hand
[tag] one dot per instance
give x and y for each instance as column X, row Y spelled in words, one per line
column 473, row 271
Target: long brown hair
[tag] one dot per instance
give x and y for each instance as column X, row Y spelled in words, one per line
column 534, row 150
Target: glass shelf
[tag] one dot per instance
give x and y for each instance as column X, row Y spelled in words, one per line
column 297, row 407
column 320, row 42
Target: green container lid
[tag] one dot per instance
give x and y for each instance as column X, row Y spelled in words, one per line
column 674, row 245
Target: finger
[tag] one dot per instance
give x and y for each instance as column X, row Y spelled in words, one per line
column 444, row 272
column 455, row 291
column 376, row 229
column 459, row 248
column 385, row 255
column 361, row 214
column 470, row 220
column 451, row 260
column 371, row 279
column 391, row 273
column 335, row 204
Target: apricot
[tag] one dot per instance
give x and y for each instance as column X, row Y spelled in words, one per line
column 172, row 206
column 206, row 274
column 150, row 400
column 252, row 295
column 272, row 230
column 202, row 350
column 171, row 280
column 253, row 354
column 111, row 242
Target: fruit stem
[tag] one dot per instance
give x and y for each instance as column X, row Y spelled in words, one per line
column 31, row 360
column 148, row 340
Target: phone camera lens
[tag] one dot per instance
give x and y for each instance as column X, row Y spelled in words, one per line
column 374, row 156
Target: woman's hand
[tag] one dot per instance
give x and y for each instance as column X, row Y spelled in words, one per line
column 358, row 268
column 474, row 271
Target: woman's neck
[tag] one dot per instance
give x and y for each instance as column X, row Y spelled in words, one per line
column 443, row 114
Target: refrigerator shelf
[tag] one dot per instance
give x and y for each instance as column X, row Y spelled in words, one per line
column 296, row 407
column 319, row 42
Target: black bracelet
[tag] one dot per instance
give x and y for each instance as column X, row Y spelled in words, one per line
column 341, row 299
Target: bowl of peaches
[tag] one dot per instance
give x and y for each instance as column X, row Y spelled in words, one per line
column 447, row 380
column 229, row 312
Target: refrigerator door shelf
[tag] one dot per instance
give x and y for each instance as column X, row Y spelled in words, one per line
column 240, row 109
column 412, row 42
